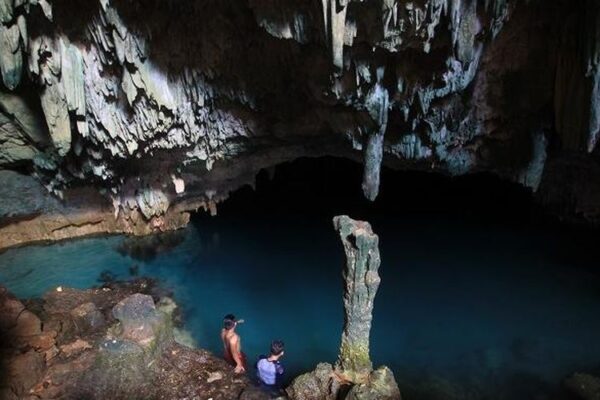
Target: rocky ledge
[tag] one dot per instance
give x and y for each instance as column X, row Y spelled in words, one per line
column 112, row 342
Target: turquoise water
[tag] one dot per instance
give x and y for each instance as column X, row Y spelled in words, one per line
column 497, row 310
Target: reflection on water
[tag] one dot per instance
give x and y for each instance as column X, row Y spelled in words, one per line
column 468, row 309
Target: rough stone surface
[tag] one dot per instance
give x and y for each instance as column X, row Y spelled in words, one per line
column 87, row 317
column 101, row 363
column 361, row 281
column 140, row 322
column 28, row 213
column 319, row 384
column 176, row 121
column 380, row 386
column 353, row 377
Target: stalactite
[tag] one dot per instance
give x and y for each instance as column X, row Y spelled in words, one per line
column 378, row 107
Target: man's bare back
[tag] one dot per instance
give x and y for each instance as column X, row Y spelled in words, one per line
column 232, row 349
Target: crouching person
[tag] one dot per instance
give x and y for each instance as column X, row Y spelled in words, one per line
column 270, row 368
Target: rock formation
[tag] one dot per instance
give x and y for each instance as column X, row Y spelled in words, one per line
column 353, row 377
column 166, row 107
column 110, row 342
column 361, row 281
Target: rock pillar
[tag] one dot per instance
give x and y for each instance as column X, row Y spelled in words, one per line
column 361, row 282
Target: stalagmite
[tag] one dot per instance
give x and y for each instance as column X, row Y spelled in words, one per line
column 353, row 377
column 361, row 281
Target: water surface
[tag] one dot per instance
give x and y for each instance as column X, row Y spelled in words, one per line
column 484, row 309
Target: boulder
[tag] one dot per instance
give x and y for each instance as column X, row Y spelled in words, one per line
column 316, row 385
column 10, row 308
column 87, row 317
column 381, row 386
column 140, row 322
column 28, row 324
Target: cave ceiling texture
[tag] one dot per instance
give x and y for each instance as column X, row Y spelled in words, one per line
column 158, row 107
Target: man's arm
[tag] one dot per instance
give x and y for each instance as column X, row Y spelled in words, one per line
column 237, row 355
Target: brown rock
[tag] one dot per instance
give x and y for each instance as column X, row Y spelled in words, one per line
column 51, row 353
column 7, row 394
column 24, row 371
column 28, row 324
column 43, row 341
column 75, row 347
column 10, row 308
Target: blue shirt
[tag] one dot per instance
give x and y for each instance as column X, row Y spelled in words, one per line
column 268, row 371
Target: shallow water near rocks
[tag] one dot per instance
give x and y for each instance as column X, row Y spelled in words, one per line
column 480, row 310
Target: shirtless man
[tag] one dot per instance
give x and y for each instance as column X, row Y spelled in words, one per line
column 232, row 347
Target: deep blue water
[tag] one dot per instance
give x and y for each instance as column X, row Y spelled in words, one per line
column 497, row 310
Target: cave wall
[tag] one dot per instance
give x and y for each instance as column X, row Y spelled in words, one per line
column 174, row 104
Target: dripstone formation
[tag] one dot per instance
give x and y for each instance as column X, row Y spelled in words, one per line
column 361, row 282
column 353, row 377
column 155, row 108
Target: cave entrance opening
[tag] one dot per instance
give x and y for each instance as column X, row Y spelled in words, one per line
column 327, row 186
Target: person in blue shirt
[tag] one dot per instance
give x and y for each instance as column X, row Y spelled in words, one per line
column 270, row 368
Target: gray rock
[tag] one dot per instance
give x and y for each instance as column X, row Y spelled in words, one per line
column 87, row 317
column 380, row 386
column 141, row 323
column 316, row 385
column 361, row 281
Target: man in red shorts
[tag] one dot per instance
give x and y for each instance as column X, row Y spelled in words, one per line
column 232, row 348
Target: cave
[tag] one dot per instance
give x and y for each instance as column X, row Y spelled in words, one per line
column 166, row 163
column 484, row 294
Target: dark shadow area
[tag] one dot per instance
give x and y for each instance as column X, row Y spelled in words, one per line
column 328, row 186
column 146, row 248
column 320, row 188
